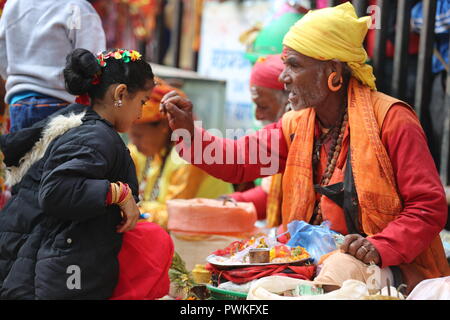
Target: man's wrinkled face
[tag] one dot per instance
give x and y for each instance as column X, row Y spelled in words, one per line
column 304, row 78
column 269, row 104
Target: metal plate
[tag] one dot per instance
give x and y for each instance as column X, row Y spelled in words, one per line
column 212, row 259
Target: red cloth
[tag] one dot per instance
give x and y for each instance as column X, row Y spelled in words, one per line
column 255, row 195
column 145, row 259
column 237, row 169
column 83, row 99
column 266, row 71
column 413, row 44
column 246, row 274
column 425, row 207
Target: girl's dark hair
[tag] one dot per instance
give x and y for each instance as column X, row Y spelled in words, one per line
column 82, row 66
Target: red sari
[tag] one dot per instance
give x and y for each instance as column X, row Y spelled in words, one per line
column 144, row 260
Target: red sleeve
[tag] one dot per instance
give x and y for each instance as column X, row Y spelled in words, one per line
column 256, row 155
column 425, row 206
column 256, row 195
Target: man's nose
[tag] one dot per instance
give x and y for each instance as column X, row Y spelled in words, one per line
column 283, row 77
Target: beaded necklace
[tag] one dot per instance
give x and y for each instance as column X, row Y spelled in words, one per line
column 337, row 133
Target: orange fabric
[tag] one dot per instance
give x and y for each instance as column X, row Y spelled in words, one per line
column 375, row 183
column 329, row 207
column 274, row 200
column 210, row 216
column 150, row 110
column 378, row 197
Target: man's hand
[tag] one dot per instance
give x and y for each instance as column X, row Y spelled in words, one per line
column 179, row 111
column 361, row 248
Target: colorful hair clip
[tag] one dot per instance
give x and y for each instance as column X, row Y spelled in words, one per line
column 119, row 54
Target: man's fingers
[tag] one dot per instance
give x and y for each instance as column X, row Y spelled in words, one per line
column 172, row 93
column 354, row 246
column 347, row 241
column 180, row 102
column 362, row 252
column 368, row 258
column 162, row 108
column 372, row 256
column 173, row 110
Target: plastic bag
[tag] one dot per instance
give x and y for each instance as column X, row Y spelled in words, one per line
column 431, row 289
column 317, row 240
column 269, row 288
column 236, row 287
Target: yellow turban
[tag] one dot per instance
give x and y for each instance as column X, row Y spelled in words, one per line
column 334, row 33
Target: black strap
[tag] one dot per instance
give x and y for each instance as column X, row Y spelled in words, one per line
column 344, row 195
column 351, row 203
column 397, row 275
column 333, row 191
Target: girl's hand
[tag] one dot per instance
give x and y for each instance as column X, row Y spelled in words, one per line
column 130, row 213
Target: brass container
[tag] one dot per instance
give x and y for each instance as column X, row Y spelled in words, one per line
column 259, row 255
column 200, row 274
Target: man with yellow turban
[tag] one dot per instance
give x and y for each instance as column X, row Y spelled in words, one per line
column 354, row 157
column 162, row 174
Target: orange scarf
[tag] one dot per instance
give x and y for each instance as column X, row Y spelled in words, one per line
column 372, row 168
column 274, row 200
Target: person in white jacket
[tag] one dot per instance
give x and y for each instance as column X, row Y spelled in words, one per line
column 35, row 38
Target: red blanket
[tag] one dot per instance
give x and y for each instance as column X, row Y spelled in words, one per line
column 246, row 274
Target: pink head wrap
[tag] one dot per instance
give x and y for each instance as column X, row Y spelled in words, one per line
column 266, row 71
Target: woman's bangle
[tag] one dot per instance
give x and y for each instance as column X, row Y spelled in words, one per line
column 119, row 193
column 126, row 197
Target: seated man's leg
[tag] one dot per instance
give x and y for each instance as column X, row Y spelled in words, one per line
column 144, row 260
column 340, row 267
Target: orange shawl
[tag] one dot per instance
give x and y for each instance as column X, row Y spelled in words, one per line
column 374, row 177
column 274, row 200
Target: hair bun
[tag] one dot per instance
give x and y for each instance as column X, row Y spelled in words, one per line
column 81, row 66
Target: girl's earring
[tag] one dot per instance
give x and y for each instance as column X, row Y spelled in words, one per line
column 118, row 103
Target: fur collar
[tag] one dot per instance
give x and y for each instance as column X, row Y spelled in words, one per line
column 56, row 127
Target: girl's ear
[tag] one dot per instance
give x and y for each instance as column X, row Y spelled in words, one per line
column 119, row 92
